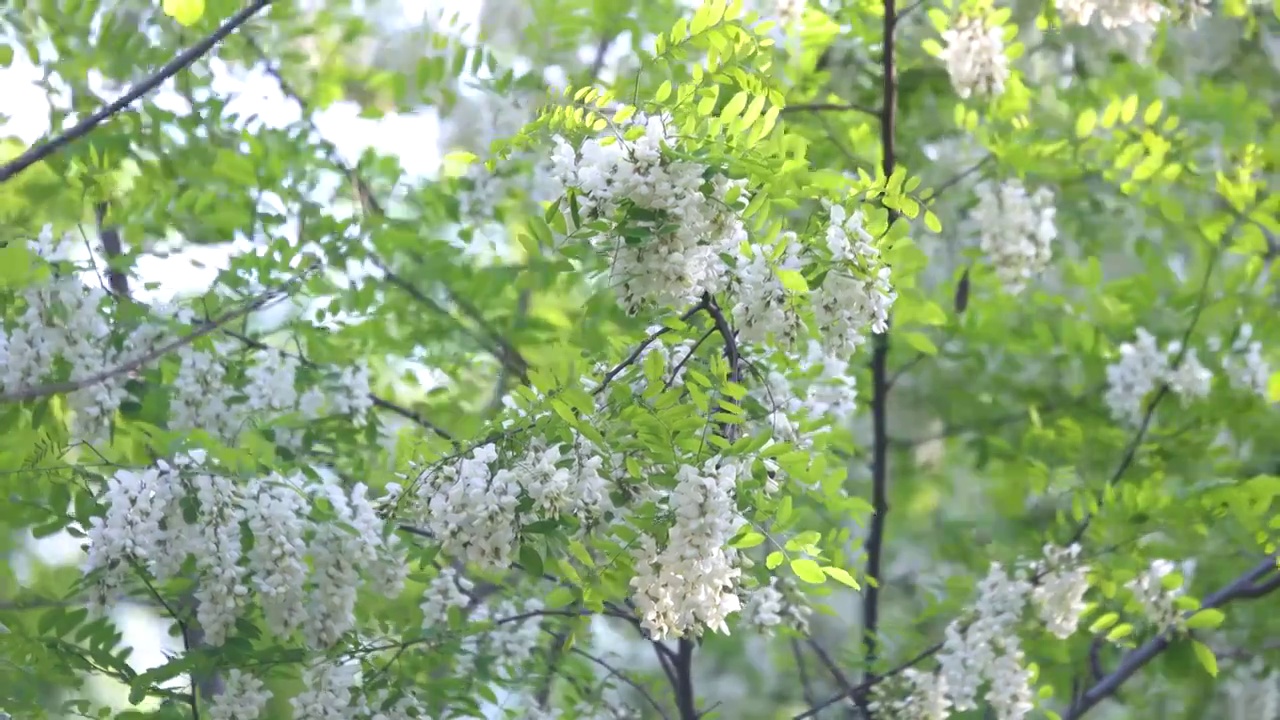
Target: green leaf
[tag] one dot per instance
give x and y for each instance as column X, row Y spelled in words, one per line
column 1206, row 619
column 808, row 571
column 1205, row 655
column 920, row 342
column 1120, row 632
column 773, row 560
column 749, row 540
column 17, row 266
column 1273, row 387
column 186, row 12
column 1086, row 122
column 932, row 222
column 841, row 576
column 1104, row 622
column 793, row 281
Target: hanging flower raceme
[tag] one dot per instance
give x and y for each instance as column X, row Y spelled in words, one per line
column 974, row 55
column 1016, row 231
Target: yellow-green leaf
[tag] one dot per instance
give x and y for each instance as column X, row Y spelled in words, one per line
column 1206, row 619
column 749, row 540
column 186, row 12
column 1205, row 655
column 792, row 280
column 808, row 571
column 842, row 576
column 1086, row 122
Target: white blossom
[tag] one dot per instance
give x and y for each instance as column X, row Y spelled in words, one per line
column 1142, row 367
column 243, row 697
column 1016, row 231
column 1157, row 601
column 973, row 54
column 1059, row 595
column 689, row 584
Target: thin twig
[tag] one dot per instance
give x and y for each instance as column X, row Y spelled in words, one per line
column 183, row 60
column 830, row 107
column 146, row 358
column 623, row 677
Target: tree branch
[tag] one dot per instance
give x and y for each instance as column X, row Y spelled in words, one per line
column 36, row 153
column 148, row 357
column 880, row 371
column 1245, row 586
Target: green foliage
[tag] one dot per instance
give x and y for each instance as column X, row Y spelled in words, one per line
column 984, row 427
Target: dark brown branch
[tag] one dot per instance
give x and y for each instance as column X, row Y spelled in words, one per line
column 880, row 370
column 112, row 249
column 639, row 350
column 184, row 60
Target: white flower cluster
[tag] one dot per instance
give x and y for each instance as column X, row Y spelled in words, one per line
column 1142, row 367
column 765, row 309
column 62, row 319
column 243, row 697
column 1244, row 365
column 913, row 695
column 204, row 399
column 986, row 648
column 471, row 506
column 819, row 388
column 668, row 231
column 1252, row 691
column 690, row 584
column 974, row 57
column 772, row 605
column 847, row 305
column 333, row 691
column 1016, row 231
column 510, row 642
column 1059, row 594
column 446, row 590
column 989, row 649
column 789, row 12
column 1111, row 14
column 145, row 522
column 326, row 692
column 1157, row 601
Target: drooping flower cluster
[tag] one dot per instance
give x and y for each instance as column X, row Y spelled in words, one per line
column 447, row 590
column 776, row 604
column 989, row 650
column 1016, row 231
column 512, row 639
column 669, row 225
column 766, row 310
column 690, row 583
column 471, row 506
column 1142, row 367
column 857, row 294
column 1244, row 365
column 913, row 695
column 243, row 697
column 1111, row 14
column 1059, row 594
column 973, row 54
column 1155, row 598
column 985, row 649
column 145, row 523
